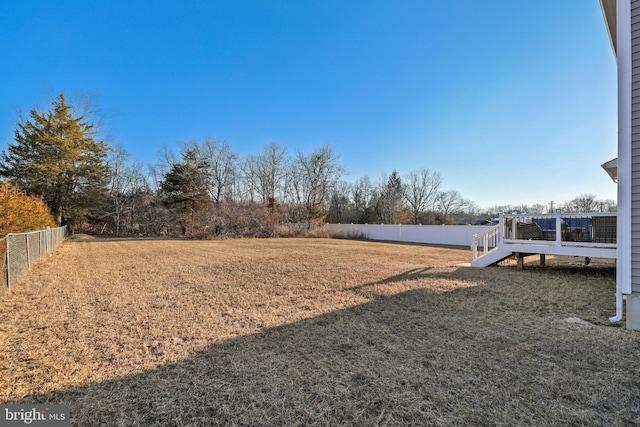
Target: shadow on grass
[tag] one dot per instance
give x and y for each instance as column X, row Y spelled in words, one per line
column 412, row 274
column 427, row 245
column 576, row 270
column 471, row 356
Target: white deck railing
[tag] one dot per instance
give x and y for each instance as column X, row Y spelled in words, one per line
column 561, row 233
column 484, row 242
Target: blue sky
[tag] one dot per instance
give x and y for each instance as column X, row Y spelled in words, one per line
column 511, row 101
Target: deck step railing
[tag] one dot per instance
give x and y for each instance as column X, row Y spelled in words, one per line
column 484, row 242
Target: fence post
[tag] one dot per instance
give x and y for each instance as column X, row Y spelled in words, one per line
column 8, row 266
column 5, row 241
column 474, row 246
column 26, row 236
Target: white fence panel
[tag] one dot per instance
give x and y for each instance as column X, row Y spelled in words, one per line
column 455, row 235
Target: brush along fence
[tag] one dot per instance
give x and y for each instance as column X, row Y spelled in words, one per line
column 19, row 251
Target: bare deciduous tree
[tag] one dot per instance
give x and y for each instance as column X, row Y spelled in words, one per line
column 130, row 194
column 119, row 183
column 265, row 173
column 314, row 175
column 608, row 205
column 420, row 190
column 362, row 194
column 449, row 202
column 340, row 205
column 221, row 169
column 583, row 203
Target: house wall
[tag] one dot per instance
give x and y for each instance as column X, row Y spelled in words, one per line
column 633, row 229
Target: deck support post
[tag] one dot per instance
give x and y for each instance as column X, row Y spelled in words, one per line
column 520, row 258
column 559, row 231
column 543, row 260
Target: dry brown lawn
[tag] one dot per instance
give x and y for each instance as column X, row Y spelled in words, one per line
column 314, row 332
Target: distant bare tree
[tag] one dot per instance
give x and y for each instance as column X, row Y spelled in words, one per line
column 314, row 175
column 583, row 203
column 608, row 205
column 420, row 190
column 125, row 180
column 471, row 210
column 537, row 209
column 521, row 208
column 362, row 194
column 589, row 203
column 222, row 169
column 117, row 183
column 449, row 202
column 341, row 209
column 512, row 209
column 140, row 209
column 265, row 173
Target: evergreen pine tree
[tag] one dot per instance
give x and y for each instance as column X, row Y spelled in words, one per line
column 55, row 156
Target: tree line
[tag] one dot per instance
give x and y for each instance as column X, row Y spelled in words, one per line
column 206, row 189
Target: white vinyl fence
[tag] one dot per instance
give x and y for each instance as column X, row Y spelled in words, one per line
column 19, row 251
column 455, row 235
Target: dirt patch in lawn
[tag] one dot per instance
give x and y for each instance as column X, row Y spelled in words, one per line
column 313, row 332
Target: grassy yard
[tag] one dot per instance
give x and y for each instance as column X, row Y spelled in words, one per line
column 315, row 332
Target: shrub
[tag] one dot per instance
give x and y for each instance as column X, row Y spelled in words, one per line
column 350, row 235
column 20, row 213
column 232, row 219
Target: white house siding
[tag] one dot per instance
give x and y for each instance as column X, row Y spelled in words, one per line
column 635, row 146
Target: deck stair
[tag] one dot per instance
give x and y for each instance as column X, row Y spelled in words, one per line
column 494, row 256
